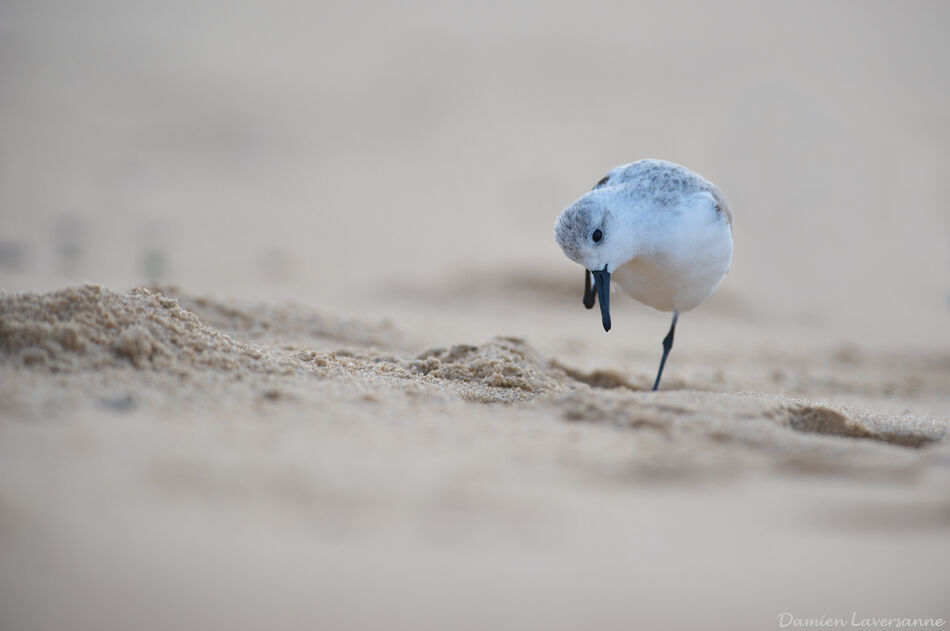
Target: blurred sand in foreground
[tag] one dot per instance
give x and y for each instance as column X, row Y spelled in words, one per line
column 170, row 460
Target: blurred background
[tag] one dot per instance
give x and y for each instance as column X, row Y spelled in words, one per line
column 406, row 162
column 358, row 157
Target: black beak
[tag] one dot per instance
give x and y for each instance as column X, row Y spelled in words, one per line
column 590, row 298
column 602, row 282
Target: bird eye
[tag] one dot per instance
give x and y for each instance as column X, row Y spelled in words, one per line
column 597, row 236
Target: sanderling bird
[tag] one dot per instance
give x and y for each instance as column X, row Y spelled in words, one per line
column 662, row 232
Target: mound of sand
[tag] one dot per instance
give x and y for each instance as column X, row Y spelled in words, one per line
column 90, row 327
column 286, row 326
column 86, row 330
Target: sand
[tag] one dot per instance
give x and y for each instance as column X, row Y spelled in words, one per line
column 286, row 340
column 174, row 460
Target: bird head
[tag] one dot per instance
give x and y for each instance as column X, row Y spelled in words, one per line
column 586, row 232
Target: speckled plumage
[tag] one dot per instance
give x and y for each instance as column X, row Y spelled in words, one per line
column 662, row 183
column 655, row 183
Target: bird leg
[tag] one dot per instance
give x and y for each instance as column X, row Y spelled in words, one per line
column 590, row 297
column 667, row 345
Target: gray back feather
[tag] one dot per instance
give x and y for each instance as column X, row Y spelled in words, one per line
column 663, row 183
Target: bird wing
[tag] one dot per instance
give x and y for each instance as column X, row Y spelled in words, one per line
column 663, row 182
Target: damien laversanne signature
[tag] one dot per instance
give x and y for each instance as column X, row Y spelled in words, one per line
column 786, row 619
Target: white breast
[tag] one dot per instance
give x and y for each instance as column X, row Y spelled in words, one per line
column 683, row 261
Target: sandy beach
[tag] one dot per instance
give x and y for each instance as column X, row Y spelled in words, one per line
column 286, row 341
